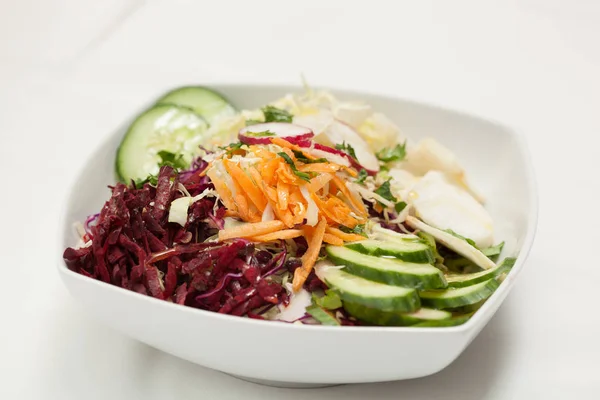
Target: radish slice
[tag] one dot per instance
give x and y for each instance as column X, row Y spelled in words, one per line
column 262, row 133
column 340, row 153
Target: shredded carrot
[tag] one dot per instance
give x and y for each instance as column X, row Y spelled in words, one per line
column 318, row 182
column 346, row 237
column 357, row 204
column 250, row 189
column 284, row 234
column 231, row 213
column 332, row 239
column 287, row 145
column 283, row 195
column 222, row 190
column 242, row 206
column 251, row 229
column 310, row 257
column 320, row 167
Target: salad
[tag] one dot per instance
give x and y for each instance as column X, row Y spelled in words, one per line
column 308, row 210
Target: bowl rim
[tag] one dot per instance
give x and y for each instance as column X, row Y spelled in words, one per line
column 472, row 323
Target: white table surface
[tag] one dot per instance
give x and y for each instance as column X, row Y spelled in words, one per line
column 70, row 71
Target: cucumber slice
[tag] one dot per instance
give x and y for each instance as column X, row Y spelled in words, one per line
column 453, row 298
column 454, row 321
column 387, row 270
column 406, row 250
column 202, row 100
column 357, row 290
column 178, row 130
column 321, row 315
column 462, row 280
column 387, row 318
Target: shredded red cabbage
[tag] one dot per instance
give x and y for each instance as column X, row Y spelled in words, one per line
column 133, row 246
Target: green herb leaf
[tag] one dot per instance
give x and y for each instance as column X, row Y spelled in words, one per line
column 151, row 179
column 430, row 241
column 400, row 206
column 385, row 191
column 358, row 229
column 171, row 159
column 362, row 175
column 302, row 175
column 392, row 154
column 301, row 157
column 330, row 301
column 274, row 114
column 253, row 122
column 347, row 149
column 324, row 317
column 259, row 134
column 470, row 241
column 231, row 147
column 493, row 251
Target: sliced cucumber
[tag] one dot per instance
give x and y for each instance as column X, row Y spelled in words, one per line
column 323, row 316
column 461, row 280
column 454, row 321
column 178, row 130
column 387, row 270
column 357, row 290
column 202, row 100
column 407, row 250
column 387, row 318
column 453, row 298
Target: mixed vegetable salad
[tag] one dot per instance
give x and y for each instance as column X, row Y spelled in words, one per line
column 308, row 210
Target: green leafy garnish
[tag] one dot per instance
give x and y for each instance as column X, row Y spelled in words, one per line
column 430, row 241
column 253, row 122
column 493, row 251
column 347, row 149
column 385, row 191
column 392, row 154
column 171, row 159
column 400, row 206
column 302, row 175
column 231, row 147
column 362, row 175
column 470, row 241
column 301, row 157
column 274, row 114
column 321, row 315
column 151, row 179
column 330, row 301
column 260, row 134
column 358, row 230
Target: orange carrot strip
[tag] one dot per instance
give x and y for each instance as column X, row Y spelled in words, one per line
column 251, row 229
column 250, row 189
column 284, row 234
column 283, row 195
column 268, row 169
column 287, row 145
column 242, row 206
column 320, row 167
column 310, row 257
column 222, row 190
column 318, row 182
column 356, row 203
column 332, row 239
column 271, row 195
column 231, row 213
column 346, row 237
column 351, row 171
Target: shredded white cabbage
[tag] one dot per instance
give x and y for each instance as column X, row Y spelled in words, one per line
column 312, row 211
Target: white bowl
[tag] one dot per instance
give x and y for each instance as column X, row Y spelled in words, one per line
column 497, row 163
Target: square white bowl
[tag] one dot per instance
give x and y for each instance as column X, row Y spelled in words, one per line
column 497, row 163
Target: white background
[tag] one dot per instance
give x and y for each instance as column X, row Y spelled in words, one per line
column 70, row 71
